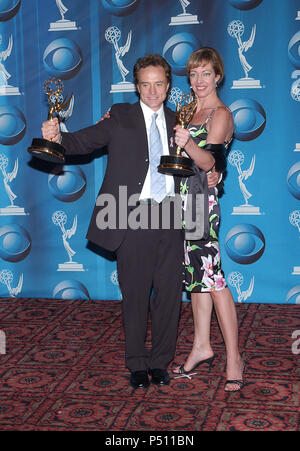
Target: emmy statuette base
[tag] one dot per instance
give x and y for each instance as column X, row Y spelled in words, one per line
column 63, row 25
column 123, row 87
column 12, row 210
column 70, row 266
column 296, row 271
column 184, row 19
column 246, row 83
column 246, row 210
column 176, row 165
column 47, row 150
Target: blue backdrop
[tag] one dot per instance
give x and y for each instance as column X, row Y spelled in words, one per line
column 92, row 46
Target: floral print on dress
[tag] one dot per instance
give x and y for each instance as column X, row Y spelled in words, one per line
column 202, row 260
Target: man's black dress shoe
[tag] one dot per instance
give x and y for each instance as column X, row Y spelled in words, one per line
column 139, row 379
column 159, row 377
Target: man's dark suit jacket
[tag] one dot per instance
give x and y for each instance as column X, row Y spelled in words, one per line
column 128, row 159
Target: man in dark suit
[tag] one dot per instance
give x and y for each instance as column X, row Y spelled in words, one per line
column 149, row 254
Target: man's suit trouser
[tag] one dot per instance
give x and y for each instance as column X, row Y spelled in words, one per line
column 150, row 266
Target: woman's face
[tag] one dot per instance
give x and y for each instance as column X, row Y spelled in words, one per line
column 203, row 80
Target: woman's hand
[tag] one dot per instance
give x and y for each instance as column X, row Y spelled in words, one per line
column 182, row 136
column 203, row 159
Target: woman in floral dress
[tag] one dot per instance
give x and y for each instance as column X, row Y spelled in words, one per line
column 209, row 132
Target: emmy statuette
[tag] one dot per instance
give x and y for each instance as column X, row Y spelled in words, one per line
column 44, row 148
column 178, row 164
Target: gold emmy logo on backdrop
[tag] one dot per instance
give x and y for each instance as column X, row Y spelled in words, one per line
column 44, row 148
column 178, row 164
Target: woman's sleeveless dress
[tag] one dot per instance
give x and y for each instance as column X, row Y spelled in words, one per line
column 203, row 271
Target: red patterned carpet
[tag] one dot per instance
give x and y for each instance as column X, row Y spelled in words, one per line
column 63, row 369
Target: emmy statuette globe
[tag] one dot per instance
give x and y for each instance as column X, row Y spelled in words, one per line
column 43, row 148
column 177, row 164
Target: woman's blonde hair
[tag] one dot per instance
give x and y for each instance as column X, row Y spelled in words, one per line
column 203, row 56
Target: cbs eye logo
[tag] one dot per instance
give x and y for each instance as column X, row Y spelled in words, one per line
column 293, row 296
column 293, row 50
column 12, row 125
column 120, row 7
column 293, row 180
column 71, row 289
column 177, row 50
column 8, row 9
column 245, row 4
column 67, row 184
column 15, row 243
column 62, row 58
column 245, row 244
column 249, row 119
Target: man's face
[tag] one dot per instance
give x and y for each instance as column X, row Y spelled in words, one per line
column 153, row 86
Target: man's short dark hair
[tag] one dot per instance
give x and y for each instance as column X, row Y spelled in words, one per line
column 151, row 59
